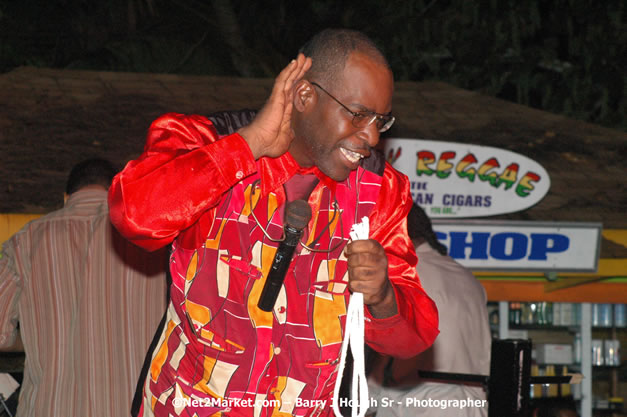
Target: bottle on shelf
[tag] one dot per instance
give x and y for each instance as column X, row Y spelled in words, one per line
column 565, row 390
column 577, row 348
column 597, row 352
column 611, row 352
column 620, row 315
column 552, row 388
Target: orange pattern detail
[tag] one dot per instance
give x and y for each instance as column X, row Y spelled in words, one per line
column 161, row 356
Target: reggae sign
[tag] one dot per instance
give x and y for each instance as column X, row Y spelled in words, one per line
column 457, row 180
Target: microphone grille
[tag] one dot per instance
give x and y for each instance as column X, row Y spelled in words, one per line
column 297, row 214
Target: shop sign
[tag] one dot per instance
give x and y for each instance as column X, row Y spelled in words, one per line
column 521, row 246
column 455, row 180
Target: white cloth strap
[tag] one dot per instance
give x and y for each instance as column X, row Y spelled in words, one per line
column 354, row 336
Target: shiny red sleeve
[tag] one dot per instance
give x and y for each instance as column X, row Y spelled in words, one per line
column 182, row 173
column 415, row 327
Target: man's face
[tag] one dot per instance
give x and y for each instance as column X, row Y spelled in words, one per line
column 325, row 135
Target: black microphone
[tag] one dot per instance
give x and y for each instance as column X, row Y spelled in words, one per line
column 297, row 215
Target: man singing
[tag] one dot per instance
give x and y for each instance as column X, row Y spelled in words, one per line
column 216, row 188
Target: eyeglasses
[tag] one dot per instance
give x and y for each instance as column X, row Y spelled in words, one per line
column 365, row 118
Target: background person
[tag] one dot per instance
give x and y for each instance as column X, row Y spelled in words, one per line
column 87, row 301
column 464, row 342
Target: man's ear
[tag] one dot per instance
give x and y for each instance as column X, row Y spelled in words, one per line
column 305, row 96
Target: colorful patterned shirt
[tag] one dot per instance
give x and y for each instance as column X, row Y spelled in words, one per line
column 219, row 354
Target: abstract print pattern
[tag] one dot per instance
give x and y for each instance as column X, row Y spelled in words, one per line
column 219, row 349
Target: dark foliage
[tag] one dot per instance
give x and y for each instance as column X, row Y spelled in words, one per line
column 564, row 56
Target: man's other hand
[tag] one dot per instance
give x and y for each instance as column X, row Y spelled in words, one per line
column 368, row 274
column 270, row 133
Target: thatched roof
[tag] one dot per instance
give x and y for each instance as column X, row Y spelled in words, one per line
column 53, row 118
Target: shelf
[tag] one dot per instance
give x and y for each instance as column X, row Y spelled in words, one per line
column 533, row 289
column 605, row 328
column 561, row 328
column 600, row 368
column 573, row 329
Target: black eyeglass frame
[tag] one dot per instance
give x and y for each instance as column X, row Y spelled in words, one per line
column 388, row 119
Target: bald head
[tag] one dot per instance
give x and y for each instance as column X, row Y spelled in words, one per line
column 329, row 50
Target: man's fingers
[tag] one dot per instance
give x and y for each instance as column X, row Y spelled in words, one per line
column 282, row 80
column 367, row 261
column 287, row 71
column 286, row 125
column 358, row 259
column 363, row 246
column 302, row 65
column 365, row 273
column 271, row 133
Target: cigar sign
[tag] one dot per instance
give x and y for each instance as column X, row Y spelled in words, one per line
column 454, row 180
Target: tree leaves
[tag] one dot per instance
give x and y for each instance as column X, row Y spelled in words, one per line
column 564, row 56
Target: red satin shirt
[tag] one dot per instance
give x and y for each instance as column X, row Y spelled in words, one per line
column 219, row 354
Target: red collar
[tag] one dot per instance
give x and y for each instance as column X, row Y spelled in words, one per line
column 274, row 172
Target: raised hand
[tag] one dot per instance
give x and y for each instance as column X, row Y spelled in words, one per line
column 270, row 133
column 368, row 274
